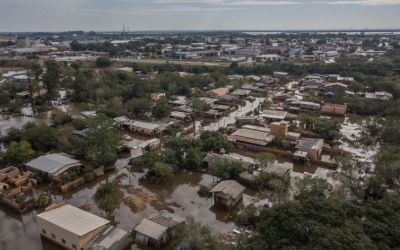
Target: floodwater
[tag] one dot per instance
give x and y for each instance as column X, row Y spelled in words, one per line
column 8, row 121
column 178, row 195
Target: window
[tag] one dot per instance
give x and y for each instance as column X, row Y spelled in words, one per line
column 74, row 246
column 63, row 241
column 53, row 236
column 43, row 231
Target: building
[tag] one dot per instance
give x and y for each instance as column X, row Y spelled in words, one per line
column 218, row 92
column 70, row 227
column 227, row 194
column 279, row 129
column 273, row 115
column 53, row 166
column 379, row 95
column 157, row 96
column 312, row 106
column 312, row 146
column 182, row 116
column 144, row 128
column 251, row 137
column 280, row 169
column 23, row 42
column 155, row 230
column 334, row 109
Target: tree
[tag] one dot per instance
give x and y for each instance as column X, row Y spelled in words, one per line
column 161, row 109
column 104, row 141
column 52, row 77
column 103, row 62
column 61, row 118
column 137, row 107
column 160, row 172
column 18, row 152
column 199, row 107
column 194, row 236
column 108, row 196
column 226, row 169
column 265, row 158
column 215, row 141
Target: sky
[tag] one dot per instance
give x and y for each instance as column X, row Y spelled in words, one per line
column 137, row 15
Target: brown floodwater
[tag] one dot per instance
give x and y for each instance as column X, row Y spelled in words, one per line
column 19, row 231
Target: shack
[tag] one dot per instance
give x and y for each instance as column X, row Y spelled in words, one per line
column 312, row 146
column 155, row 230
column 227, row 194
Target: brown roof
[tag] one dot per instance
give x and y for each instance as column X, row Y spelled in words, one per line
column 229, row 187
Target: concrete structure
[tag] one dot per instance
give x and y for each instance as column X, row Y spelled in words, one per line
column 273, row 115
column 70, row 227
column 312, row 146
column 279, row 129
column 227, row 194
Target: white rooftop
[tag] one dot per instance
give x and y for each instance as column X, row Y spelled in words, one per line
column 73, row 219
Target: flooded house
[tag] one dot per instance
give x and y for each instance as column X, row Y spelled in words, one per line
column 313, row 147
column 156, row 229
column 144, row 128
column 17, row 189
column 227, row 194
column 251, row 137
column 334, row 109
column 181, row 116
column 73, row 228
column 273, row 115
column 54, row 166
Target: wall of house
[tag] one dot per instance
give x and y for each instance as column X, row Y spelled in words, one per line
column 58, row 235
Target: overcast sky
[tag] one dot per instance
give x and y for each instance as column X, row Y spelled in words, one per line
column 107, row 15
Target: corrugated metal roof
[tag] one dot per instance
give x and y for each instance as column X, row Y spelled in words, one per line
column 145, row 125
column 151, row 229
column 73, row 219
column 51, row 163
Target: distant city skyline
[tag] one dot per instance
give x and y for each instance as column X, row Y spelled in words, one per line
column 158, row 15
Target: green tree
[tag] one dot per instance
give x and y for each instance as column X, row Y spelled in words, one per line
column 160, row 172
column 51, row 78
column 104, row 141
column 161, row 109
column 215, row 141
column 103, row 62
column 226, row 169
column 194, row 236
column 18, row 152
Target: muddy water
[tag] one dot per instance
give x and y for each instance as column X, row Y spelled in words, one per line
column 178, row 195
column 7, row 121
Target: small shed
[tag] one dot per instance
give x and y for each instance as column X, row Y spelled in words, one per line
column 227, row 194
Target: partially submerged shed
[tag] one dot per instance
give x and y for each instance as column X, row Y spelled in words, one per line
column 227, row 194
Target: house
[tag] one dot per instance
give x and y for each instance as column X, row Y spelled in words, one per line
column 280, row 74
column 157, row 96
column 227, row 194
column 155, row 230
column 334, row 109
column 145, row 128
column 311, row 106
column 241, row 92
column 53, row 166
column 218, row 92
column 251, row 137
column 70, row 227
column 334, row 88
column 182, row 116
column 312, row 146
column 273, row 115
column 379, row 95
column 281, row 169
